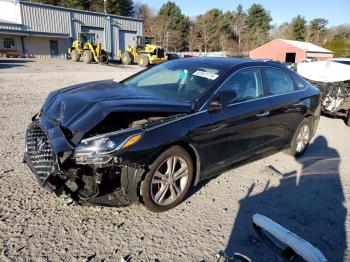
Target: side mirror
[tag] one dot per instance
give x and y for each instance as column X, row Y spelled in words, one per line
column 215, row 104
column 221, row 100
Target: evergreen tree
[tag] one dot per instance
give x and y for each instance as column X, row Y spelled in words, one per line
column 179, row 23
column 120, row 7
column 257, row 25
column 48, row 2
column 76, row 4
column 299, row 28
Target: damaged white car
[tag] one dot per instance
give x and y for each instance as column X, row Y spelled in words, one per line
column 332, row 77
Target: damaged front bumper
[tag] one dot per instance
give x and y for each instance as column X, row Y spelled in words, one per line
column 336, row 97
column 50, row 157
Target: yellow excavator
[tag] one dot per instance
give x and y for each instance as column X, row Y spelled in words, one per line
column 86, row 48
column 144, row 53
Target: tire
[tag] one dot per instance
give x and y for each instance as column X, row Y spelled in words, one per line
column 347, row 120
column 143, row 60
column 174, row 189
column 126, row 58
column 75, row 55
column 87, row 56
column 301, row 138
column 104, row 59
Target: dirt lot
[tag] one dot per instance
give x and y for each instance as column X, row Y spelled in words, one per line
column 309, row 195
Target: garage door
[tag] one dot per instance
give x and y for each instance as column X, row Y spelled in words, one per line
column 99, row 34
column 126, row 38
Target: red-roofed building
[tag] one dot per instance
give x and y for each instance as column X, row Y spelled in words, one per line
column 290, row 51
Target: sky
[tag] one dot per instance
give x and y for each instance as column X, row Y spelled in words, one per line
column 337, row 12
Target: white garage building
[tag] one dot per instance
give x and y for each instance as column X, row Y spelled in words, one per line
column 45, row 31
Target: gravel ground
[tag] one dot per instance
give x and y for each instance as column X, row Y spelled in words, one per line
column 309, row 195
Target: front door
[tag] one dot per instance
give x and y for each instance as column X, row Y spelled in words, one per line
column 54, row 48
column 239, row 130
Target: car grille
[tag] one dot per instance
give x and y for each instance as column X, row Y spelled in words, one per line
column 39, row 153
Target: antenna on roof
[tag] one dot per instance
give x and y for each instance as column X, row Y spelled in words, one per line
column 105, row 6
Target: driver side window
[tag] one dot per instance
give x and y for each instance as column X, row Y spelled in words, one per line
column 246, row 83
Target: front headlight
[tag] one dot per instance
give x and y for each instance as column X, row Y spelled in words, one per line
column 102, row 148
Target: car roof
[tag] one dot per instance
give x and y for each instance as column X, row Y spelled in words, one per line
column 225, row 61
column 231, row 62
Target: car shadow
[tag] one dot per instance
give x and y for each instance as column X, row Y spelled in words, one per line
column 309, row 204
column 10, row 63
column 194, row 189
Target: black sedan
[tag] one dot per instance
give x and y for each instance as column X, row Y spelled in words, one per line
column 152, row 136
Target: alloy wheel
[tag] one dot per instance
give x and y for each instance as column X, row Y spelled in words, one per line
column 169, row 180
column 302, row 138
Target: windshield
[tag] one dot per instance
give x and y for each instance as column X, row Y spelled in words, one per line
column 180, row 80
column 87, row 38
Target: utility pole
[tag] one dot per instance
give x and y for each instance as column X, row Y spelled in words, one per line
column 105, row 6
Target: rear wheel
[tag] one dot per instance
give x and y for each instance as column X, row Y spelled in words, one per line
column 126, row 58
column 87, row 56
column 347, row 121
column 143, row 60
column 301, row 138
column 75, row 55
column 104, row 59
column 168, row 180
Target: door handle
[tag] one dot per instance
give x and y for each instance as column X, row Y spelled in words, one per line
column 263, row 114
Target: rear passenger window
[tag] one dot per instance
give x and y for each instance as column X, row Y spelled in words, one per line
column 279, row 82
column 246, row 84
column 299, row 85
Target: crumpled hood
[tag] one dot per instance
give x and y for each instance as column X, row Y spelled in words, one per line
column 82, row 107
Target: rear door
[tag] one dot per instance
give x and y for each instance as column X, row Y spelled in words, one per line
column 239, row 130
column 286, row 105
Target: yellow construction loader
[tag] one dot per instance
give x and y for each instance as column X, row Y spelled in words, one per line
column 144, row 53
column 86, row 48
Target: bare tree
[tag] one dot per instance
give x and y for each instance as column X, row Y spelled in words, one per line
column 210, row 28
column 284, row 31
column 238, row 24
column 317, row 30
column 144, row 12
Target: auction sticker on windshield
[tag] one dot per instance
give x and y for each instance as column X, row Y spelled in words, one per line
column 207, row 75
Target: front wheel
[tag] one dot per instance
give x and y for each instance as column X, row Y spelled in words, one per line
column 75, row 55
column 347, row 120
column 87, row 56
column 126, row 58
column 143, row 60
column 301, row 138
column 168, row 180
